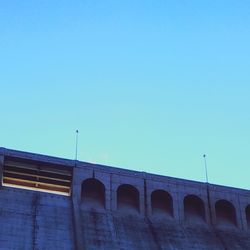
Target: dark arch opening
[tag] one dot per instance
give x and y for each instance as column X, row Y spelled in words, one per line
column 248, row 216
column 93, row 193
column 127, row 198
column 225, row 213
column 194, row 209
column 162, row 203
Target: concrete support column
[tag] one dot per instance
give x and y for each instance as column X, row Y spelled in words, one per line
column 213, row 212
column 243, row 205
column 106, row 180
column 207, row 213
column 113, row 195
column 180, row 207
column 147, row 199
column 76, row 211
column 176, row 203
column 1, row 169
column 208, row 206
column 244, row 219
column 240, row 217
column 142, row 202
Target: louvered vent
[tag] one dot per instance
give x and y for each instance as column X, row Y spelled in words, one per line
column 38, row 176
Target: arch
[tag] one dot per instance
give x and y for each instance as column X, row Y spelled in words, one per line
column 225, row 213
column 247, row 210
column 161, row 203
column 127, row 198
column 194, row 209
column 93, row 193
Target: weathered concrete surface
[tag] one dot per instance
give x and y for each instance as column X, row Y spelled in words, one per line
column 111, row 208
column 34, row 220
column 121, row 231
column 16, row 219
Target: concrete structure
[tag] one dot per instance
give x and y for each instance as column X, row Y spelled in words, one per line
column 79, row 205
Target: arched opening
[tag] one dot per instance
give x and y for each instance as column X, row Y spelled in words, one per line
column 161, row 203
column 127, row 198
column 194, row 209
column 248, row 216
column 225, row 213
column 93, row 193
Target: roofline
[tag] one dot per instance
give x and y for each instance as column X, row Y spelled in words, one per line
column 116, row 170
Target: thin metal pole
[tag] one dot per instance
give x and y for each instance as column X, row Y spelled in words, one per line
column 205, row 164
column 76, row 152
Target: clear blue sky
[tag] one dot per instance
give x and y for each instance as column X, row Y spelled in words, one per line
column 151, row 85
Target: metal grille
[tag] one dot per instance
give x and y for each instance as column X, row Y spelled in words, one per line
column 37, row 176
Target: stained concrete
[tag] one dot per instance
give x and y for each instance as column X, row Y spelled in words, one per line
column 34, row 220
column 120, row 231
column 103, row 220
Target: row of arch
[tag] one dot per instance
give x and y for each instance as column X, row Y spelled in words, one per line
column 93, row 194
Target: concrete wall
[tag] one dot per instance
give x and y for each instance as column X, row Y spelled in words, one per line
column 38, row 220
column 116, row 229
column 177, row 188
column 34, row 220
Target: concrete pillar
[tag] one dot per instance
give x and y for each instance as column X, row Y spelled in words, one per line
column 208, row 206
column 1, row 169
column 113, row 196
column 240, row 215
column 244, row 216
column 147, row 198
column 105, row 178
column 180, row 207
column 213, row 211
column 207, row 212
column 176, row 204
column 142, row 201
column 244, row 219
column 76, row 212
